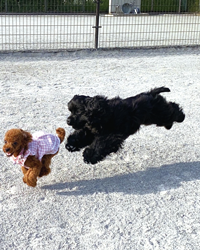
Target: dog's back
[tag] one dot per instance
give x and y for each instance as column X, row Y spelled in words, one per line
column 152, row 108
column 153, row 92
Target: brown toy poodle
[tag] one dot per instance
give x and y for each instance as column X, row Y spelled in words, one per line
column 32, row 152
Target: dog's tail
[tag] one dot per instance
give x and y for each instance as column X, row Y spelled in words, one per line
column 61, row 134
column 157, row 91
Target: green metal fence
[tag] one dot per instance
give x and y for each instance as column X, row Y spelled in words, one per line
column 51, row 25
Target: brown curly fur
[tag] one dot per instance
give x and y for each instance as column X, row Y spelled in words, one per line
column 17, row 139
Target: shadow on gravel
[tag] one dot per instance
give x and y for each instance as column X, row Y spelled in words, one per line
column 152, row 180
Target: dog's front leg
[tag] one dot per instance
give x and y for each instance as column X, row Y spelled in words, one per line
column 79, row 139
column 34, row 165
column 30, row 178
column 103, row 146
column 24, row 170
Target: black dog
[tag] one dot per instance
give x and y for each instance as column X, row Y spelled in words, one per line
column 103, row 124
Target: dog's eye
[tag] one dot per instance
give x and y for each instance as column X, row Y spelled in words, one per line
column 5, row 141
column 15, row 143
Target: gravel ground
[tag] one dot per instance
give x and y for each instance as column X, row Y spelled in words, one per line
column 144, row 197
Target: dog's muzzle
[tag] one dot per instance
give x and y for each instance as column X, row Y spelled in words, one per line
column 69, row 121
column 7, row 152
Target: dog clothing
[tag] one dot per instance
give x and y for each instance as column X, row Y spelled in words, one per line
column 42, row 144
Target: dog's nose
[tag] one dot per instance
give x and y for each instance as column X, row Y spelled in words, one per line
column 7, row 149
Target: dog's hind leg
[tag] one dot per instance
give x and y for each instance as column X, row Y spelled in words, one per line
column 102, row 146
column 46, row 161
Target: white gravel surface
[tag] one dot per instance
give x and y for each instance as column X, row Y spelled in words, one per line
column 145, row 197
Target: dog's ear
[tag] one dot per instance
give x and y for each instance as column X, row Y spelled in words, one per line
column 27, row 137
column 97, row 104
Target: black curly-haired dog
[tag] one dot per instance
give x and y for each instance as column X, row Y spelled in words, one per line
column 103, row 124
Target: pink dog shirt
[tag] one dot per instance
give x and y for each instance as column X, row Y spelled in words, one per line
column 41, row 144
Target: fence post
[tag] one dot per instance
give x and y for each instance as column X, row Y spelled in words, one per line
column 179, row 7
column 96, row 27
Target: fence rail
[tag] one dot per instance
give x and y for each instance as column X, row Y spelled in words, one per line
column 93, row 29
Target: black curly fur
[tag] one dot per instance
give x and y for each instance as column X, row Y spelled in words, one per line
column 101, row 125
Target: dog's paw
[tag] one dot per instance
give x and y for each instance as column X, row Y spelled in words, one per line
column 24, row 179
column 31, row 183
column 71, row 148
column 90, row 157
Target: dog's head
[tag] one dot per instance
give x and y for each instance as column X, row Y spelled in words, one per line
column 86, row 111
column 77, row 106
column 15, row 140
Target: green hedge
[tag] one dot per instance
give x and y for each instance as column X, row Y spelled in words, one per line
column 169, row 6
column 51, row 6
column 193, row 6
column 89, row 6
